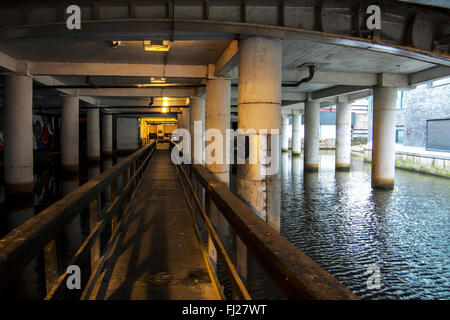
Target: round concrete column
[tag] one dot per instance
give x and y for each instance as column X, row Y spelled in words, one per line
column 93, row 135
column 107, row 134
column 343, row 135
column 70, row 134
column 18, row 139
column 259, row 97
column 218, row 99
column 312, row 136
column 284, row 133
column 296, row 134
column 197, row 128
column 383, row 145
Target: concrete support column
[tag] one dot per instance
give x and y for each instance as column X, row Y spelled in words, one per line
column 197, row 128
column 312, row 136
column 218, row 99
column 70, row 134
column 18, row 139
column 259, row 98
column 93, row 134
column 296, row 134
column 184, row 118
column 343, row 135
column 383, row 145
column 284, row 133
column 107, row 134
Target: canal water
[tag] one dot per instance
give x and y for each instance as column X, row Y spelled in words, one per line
column 339, row 221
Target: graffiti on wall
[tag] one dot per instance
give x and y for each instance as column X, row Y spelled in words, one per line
column 44, row 132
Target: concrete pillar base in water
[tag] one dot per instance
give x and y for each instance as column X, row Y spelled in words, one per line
column 383, row 145
column 69, row 134
column 93, row 135
column 284, row 133
column 18, row 122
column 107, row 134
column 296, row 135
column 312, row 136
column 343, row 136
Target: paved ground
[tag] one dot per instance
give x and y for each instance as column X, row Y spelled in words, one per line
column 157, row 255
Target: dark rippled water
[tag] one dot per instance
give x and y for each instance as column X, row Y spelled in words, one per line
column 346, row 226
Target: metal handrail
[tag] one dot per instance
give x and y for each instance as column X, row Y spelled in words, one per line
column 38, row 234
column 297, row 275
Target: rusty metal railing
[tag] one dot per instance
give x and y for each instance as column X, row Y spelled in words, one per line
column 295, row 274
column 40, row 233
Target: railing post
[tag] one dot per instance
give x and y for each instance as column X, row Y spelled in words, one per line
column 210, row 208
column 94, row 210
column 126, row 195
column 51, row 264
column 239, row 260
column 114, row 215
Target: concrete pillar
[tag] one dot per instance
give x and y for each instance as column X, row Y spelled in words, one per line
column 343, row 135
column 18, row 135
column 296, row 134
column 197, row 114
column 93, row 134
column 312, row 136
column 184, row 118
column 259, row 97
column 70, row 134
column 107, row 134
column 383, row 145
column 217, row 117
column 284, row 133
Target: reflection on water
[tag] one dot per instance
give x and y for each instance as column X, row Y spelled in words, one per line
column 344, row 225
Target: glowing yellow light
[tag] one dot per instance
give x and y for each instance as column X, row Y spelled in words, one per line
column 165, row 103
column 157, row 80
column 164, row 110
column 157, row 45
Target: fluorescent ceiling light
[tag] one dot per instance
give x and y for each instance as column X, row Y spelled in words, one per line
column 157, row 45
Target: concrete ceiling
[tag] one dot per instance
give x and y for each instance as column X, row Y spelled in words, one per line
column 190, row 52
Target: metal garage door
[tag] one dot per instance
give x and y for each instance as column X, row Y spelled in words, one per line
column 438, row 134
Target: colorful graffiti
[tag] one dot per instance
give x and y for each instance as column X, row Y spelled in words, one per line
column 44, row 132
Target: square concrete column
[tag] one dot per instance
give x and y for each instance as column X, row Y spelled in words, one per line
column 296, row 134
column 18, row 139
column 312, row 136
column 185, row 118
column 383, row 145
column 217, row 117
column 197, row 129
column 107, row 134
column 93, row 135
column 343, row 136
column 70, row 120
column 284, row 133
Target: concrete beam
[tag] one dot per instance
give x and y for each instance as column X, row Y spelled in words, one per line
column 137, row 92
column 228, row 60
column 394, row 80
column 427, row 75
column 335, row 91
column 51, row 81
column 7, row 62
column 332, row 77
column 118, row 69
